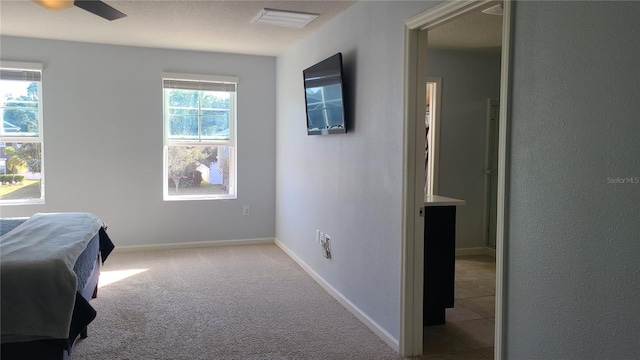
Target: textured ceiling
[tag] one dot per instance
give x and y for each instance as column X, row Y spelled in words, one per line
column 210, row 25
column 475, row 31
column 219, row 26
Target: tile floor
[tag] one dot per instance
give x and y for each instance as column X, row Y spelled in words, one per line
column 469, row 329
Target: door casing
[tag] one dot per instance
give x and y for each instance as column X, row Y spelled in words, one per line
column 412, row 262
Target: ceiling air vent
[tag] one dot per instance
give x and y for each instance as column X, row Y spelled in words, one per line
column 284, row 18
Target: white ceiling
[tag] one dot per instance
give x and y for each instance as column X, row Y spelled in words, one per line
column 475, row 31
column 212, row 25
column 218, row 26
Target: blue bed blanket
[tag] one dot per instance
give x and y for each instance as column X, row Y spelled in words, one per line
column 9, row 224
column 36, row 268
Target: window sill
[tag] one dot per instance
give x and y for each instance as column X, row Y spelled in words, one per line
column 22, row 202
column 199, row 198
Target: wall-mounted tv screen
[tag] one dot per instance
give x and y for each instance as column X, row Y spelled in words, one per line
column 324, row 97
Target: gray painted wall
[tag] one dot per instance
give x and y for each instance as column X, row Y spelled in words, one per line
column 573, row 241
column 349, row 186
column 103, row 140
column 468, row 80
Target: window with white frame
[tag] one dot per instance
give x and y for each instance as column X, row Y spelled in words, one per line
column 21, row 165
column 199, row 136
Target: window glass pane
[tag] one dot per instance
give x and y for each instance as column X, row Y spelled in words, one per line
column 19, row 108
column 183, row 127
column 209, row 126
column 20, row 171
column 183, row 111
column 182, row 98
column 215, row 125
column 215, row 115
column 198, row 170
column 215, row 100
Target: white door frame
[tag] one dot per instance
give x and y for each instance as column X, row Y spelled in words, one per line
column 412, row 262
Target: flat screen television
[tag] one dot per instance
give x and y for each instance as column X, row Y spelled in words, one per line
column 324, row 97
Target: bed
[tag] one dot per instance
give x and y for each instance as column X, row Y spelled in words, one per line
column 49, row 269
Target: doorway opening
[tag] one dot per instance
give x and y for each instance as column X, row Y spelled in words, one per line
column 432, row 121
column 412, row 331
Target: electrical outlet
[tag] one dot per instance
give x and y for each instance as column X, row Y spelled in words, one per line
column 246, row 210
column 326, row 246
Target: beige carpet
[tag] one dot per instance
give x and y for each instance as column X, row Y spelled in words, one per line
column 235, row 302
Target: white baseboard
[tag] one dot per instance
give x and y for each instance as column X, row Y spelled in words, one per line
column 470, row 251
column 476, row 251
column 490, row 251
column 364, row 318
column 196, row 244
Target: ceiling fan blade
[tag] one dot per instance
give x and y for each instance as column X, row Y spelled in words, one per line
column 99, row 8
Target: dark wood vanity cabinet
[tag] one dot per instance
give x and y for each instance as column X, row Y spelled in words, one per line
column 439, row 262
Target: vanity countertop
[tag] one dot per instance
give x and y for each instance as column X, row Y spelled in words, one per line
column 437, row 200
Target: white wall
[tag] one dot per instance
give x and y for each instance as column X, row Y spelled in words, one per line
column 573, row 240
column 349, row 186
column 103, row 140
column 468, row 80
